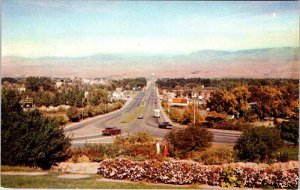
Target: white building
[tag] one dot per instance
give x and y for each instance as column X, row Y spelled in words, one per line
column 58, row 84
column 116, row 95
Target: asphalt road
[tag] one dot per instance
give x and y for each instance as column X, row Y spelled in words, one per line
column 89, row 131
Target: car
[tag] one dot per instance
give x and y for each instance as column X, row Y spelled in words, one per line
column 111, row 131
column 165, row 125
column 141, row 116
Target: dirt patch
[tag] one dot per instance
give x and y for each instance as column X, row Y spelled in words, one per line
column 74, row 176
column 24, row 173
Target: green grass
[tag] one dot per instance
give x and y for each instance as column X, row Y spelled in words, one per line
column 127, row 118
column 51, row 181
column 292, row 152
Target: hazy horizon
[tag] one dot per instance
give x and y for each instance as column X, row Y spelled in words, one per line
column 137, row 54
column 84, row 28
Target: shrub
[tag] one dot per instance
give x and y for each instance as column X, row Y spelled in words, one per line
column 73, row 114
column 175, row 115
column 192, row 138
column 139, row 137
column 258, row 144
column 215, row 155
column 289, row 131
column 229, row 178
column 140, row 144
column 82, row 159
column 61, row 120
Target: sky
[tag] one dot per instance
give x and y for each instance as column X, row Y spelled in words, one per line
column 77, row 28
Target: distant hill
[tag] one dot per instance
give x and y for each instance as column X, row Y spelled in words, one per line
column 256, row 63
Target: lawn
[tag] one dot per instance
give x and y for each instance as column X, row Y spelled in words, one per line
column 291, row 151
column 51, row 181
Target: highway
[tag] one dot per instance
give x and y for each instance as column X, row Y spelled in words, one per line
column 89, row 131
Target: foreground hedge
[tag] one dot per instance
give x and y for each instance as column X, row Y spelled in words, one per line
column 185, row 172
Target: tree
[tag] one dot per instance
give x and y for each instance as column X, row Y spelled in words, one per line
column 215, row 102
column 192, row 138
column 27, row 138
column 242, row 95
column 223, row 101
column 258, row 144
column 97, row 96
column 11, row 110
column 38, row 83
column 269, row 100
column 73, row 114
column 289, row 131
column 175, row 115
column 188, row 116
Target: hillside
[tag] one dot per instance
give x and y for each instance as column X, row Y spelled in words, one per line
column 256, row 63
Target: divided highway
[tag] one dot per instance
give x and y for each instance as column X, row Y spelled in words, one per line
column 89, row 131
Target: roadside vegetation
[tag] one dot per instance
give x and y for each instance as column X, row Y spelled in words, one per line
column 72, row 100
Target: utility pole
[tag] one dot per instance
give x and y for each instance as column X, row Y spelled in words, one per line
column 82, row 108
column 194, row 112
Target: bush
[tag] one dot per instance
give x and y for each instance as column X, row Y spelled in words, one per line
column 82, row 159
column 183, row 141
column 73, row 114
column 140, row 144
column 289, row 131
column 61, row 120
column 258, row 144
column 139, row 137
column 175, row 115
column 215, row 155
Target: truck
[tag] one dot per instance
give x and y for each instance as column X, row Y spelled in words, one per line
column 156, row 113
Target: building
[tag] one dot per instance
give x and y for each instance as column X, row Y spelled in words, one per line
column 206, row 92
column 116, row 95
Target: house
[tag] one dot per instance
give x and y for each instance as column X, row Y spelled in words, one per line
column 116, row 95
column 21, row 88
column 206, row 92
column 58, row 84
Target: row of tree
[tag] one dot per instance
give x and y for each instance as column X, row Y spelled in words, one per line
column 269, row 97
column 224, row 83
column 267, row 101
column 44, row 92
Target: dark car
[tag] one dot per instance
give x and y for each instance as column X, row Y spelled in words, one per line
column 165, row 125
column 111, row 131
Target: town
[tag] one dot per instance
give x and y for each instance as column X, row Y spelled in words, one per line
column 149, row 94
column 181, row 117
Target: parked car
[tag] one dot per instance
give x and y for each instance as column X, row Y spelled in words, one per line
column 141, row 116
column 165, row 125
column 111, row 131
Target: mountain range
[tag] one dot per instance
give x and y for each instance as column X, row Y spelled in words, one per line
column 254, row 63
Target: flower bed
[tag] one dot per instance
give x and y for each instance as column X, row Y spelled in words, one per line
column 187, row 172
